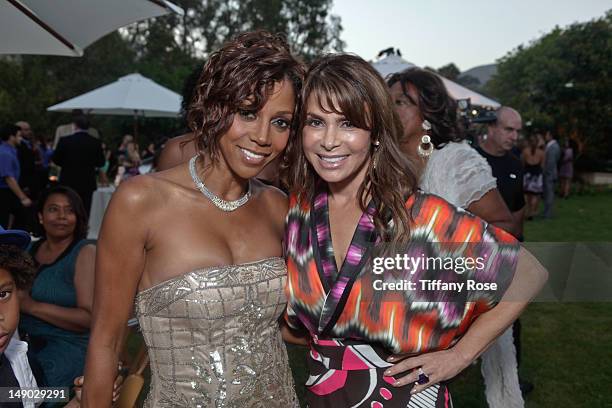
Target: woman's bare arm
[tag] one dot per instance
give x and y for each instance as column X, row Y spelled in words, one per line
column 119, row 267
column 528, row 280
column 492, row 208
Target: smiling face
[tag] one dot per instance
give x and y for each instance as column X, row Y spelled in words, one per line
column 255, row 138
column 58, row 218
column 9, row 308
column 337, row 150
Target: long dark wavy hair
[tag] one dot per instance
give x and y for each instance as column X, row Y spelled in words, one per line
column 241, row 75
column 434, row 102
column 80, row 229
column 348, row 85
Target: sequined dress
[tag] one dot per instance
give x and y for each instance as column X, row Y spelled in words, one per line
column 213, row 338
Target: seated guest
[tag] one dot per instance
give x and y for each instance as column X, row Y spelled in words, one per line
column 57, row 312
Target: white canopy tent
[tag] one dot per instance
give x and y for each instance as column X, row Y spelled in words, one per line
column 394, row 63
column 132, row 94
column 66, row 27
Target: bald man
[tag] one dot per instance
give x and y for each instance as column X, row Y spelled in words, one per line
column 507, row 168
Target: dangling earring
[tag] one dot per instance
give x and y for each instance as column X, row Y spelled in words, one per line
column 425, row 140
column 375, row 155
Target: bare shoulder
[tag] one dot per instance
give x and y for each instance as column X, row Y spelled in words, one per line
column 273, row 197
column 138, row 194
column 176, row 142
column 176, row 151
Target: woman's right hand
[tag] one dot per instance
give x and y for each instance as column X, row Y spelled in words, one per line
column 78, row 386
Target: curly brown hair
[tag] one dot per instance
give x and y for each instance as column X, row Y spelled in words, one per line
column 434, row 102
column 241, row 75
column 349, row 86
column 19, row 264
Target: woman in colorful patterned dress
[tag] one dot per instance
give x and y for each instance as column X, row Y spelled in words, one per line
column 351, row 187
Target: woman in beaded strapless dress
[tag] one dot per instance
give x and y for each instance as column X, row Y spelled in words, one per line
column 220, row 324
column 198, row 247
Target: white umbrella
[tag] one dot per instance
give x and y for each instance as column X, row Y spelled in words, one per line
column 394, row 63
column 66, row 27
column 130, row 95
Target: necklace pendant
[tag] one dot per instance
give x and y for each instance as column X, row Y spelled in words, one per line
column 223, row 205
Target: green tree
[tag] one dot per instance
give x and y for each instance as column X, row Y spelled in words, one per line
column 449, row 71
column 165, row 49
column 207, row 24
column 563, row 81
column 31, row 83
column 469, row 82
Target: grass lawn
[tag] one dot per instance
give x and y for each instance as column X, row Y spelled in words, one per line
column 567, row 347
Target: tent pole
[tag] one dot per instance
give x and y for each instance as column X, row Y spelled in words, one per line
column 135, row 124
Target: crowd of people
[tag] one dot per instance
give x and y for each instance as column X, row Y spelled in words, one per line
column 364, row 160
column 55, row 294
column 30, row 165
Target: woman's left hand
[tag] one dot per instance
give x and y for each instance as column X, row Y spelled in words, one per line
column 438, row 366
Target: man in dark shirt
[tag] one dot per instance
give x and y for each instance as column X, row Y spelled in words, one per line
column 508, row 170
column 79, row 155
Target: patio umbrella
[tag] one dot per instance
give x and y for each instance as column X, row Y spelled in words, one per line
column 133, row 95
column 394, row 63
column 66, row 27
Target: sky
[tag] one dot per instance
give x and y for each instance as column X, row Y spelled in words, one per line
column 466, row 32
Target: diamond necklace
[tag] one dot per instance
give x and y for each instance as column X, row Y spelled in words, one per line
column 216, row 200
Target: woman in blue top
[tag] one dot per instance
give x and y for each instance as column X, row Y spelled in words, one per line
column 56, row 314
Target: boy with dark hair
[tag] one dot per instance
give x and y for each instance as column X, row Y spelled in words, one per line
column 16, row 273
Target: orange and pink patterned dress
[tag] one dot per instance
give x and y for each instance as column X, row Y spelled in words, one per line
column 354, row 328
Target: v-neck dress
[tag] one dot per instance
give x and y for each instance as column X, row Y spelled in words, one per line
column 355, row 328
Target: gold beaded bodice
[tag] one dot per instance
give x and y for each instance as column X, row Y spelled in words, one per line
column 213, row 338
